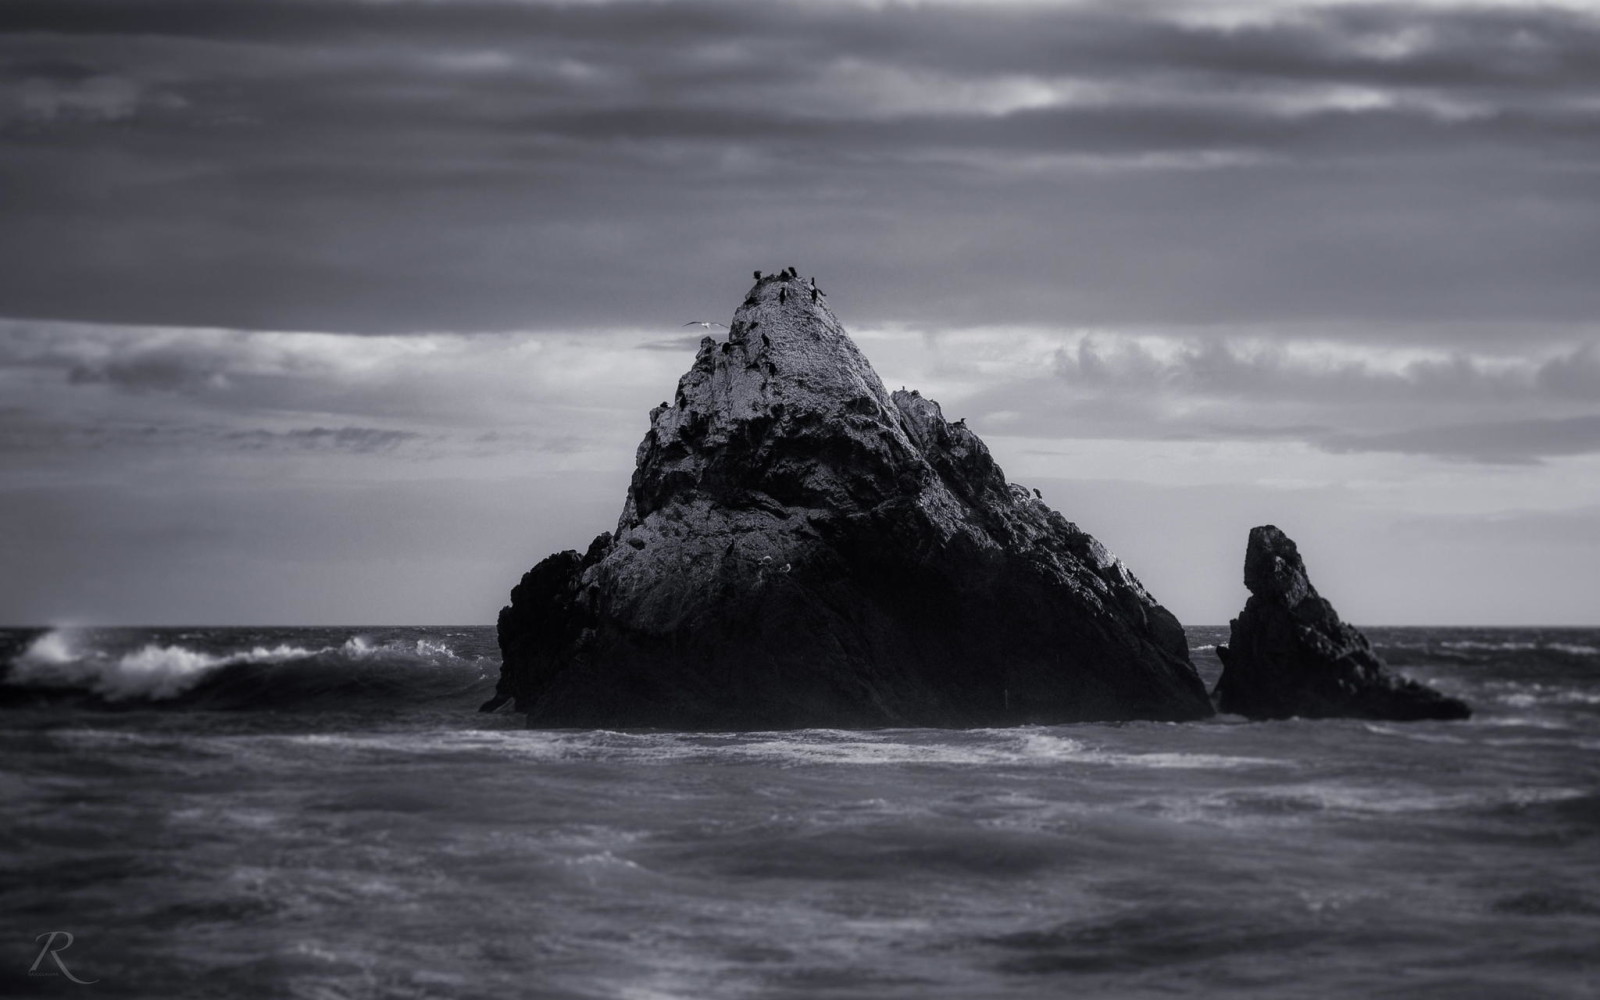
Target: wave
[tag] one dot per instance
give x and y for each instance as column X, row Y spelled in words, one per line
column 805, row 748
column 61, row 661
column 1528, row 695
column 1522, row 653
column 1571, row 648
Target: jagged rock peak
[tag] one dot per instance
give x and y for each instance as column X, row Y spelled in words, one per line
column 1290, row 654
column 1273, row 569
column 800, row 547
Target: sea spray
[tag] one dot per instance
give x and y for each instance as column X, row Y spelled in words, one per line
column 213, row 668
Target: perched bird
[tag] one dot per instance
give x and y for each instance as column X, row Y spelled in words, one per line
column 705, row 323
column 758, row 275
column 782, row 295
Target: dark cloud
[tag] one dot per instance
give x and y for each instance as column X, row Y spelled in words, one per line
column 167, row 370
column 1519, row 442
column 1577, row 375
column 30, row 435
column 482, row 165
column 363, row 440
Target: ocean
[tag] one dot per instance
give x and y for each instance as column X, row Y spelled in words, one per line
column 321, row 813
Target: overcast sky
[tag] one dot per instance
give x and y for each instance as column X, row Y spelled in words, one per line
column 349, row 311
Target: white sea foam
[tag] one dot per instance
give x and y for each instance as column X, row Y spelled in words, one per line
column 52, row 647
column 359, row 647
column 1416, row 735
column 1572, row 648
column 801, row 749
column 1338, row 797
column 1509, row 647
column 155, row 672
column 1576, row 649
column 1530, row 722
column 1529, row 695
column 152, row 672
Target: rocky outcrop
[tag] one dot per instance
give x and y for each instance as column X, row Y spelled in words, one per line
column 1289, row 654
column 800, row 547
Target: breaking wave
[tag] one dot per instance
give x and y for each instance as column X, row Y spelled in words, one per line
column 61, row 662
column 1514, row 653
column 1570, row 648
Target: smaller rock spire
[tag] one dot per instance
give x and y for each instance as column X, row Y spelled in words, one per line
column 1289, row 654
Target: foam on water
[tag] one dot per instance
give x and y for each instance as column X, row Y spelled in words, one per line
column 975, row 749
column 1570, row 648
column 64, row 659
column 380, row 837
column 152, row 671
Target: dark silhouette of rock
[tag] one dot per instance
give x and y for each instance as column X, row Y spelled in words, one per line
column 1289, row 654
column 799, row 547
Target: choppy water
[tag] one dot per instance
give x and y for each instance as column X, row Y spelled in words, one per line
column 320, row 813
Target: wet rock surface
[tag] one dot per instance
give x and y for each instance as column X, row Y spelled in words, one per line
column 800, row 547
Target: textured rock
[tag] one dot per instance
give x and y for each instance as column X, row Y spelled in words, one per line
column 1289, row 654
column 800, row 547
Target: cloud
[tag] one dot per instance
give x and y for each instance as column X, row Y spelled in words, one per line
column 583, row 394
column 99, row 98
column 1518, row 442
column 1331, row 395
column 362, row 440
column 107, row 393
column 29, row 435
column 1212, row 367
column 1576, row 375
column 410, row 166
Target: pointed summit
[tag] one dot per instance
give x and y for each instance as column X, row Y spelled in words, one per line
column 799, row 547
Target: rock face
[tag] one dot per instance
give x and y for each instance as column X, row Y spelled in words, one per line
column 1289, row 654
column 800, row 547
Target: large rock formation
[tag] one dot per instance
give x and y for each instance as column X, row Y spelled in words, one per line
column 1289, row 654
column 799, row 547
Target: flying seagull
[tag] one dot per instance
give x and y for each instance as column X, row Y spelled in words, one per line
column 705, row 323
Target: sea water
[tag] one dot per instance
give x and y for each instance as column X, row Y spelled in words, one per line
column 322, row 813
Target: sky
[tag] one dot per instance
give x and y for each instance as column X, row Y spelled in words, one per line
column 349, row 311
